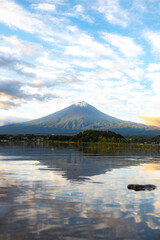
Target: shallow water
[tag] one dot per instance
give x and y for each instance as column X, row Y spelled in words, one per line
column 59, row 192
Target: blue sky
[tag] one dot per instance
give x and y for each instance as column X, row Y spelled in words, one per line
column 57, row 52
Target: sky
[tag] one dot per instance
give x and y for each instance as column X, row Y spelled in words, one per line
column 54, row 53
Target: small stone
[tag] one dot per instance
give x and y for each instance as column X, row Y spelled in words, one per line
column 138, row 187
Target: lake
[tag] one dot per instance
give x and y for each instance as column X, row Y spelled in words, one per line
column 69, row 192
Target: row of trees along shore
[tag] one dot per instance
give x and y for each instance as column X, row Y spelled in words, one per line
column 86, row 136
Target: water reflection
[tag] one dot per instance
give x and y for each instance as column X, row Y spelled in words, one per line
column 67, row 194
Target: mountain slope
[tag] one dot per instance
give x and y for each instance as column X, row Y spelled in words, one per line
column 75, row 118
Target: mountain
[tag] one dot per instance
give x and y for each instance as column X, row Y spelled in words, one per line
column 75, row 118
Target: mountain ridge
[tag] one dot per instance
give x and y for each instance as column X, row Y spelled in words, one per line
column 75, row 118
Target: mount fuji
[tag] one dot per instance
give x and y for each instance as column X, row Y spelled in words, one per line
column 77, row 118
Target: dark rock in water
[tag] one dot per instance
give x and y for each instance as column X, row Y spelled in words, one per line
column 138, row 187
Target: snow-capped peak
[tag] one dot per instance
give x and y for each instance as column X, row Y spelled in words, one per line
column 81, row 104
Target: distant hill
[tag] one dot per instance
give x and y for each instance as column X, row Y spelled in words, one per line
column 98, row 136
column 77, row 118
column 155, row 139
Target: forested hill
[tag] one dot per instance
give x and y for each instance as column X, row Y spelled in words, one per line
column 96, row 136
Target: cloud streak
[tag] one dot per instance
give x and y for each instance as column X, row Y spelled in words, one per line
column 126, row 45
column 44, row 7
column 154, row 39
column 20, row 18
column 155, row 121
column 14, row 41
column 113, row 13
column 7, row 104
column 13, row 64
column 14, row 93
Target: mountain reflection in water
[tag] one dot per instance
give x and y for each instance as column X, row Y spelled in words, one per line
column 63, row 193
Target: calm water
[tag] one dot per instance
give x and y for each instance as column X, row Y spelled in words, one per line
column 63, row 193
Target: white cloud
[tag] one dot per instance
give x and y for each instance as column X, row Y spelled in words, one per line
column 14, row 41
column 82, row 63
column 73, row 29
column 56, row 2
column 12, row 119
column 45, row 61
column 37, row 83
column 136, row 74
column 107, row 64
column 153, row 67
column 6, row 50
column 79, row 8
column 44, row 7
column 77, row 51
column 15, row 16
column 154, row 40
column 156, row 86
column 126, row 45
column 153, row 76
column 87, row 47
column 78, row 11
column 155, row 83
column 113, row 13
